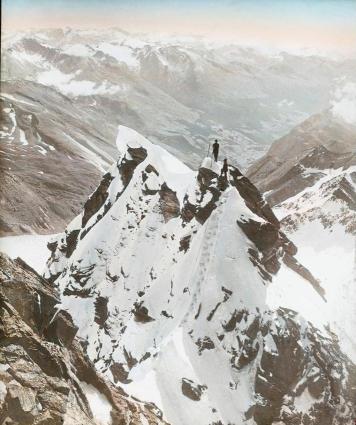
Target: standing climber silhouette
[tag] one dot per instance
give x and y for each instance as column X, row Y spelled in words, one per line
column 225, row 169
column 216, row 150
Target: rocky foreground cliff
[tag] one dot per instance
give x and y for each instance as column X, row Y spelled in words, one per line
column 171, row 276
column 45, row 377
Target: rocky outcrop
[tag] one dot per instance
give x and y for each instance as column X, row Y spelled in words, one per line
column 191, row 390
column 252, row 196
column 141, row 313
column 270, row 241
column 169, row 203
column 289, row 371
column 97, row 199
column 129, row 163
column 44, row 373
column 210, row 181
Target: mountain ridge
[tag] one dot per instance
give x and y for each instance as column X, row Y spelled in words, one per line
column 161, row 322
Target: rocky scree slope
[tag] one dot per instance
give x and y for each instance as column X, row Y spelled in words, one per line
column 320, row 185
column 48, row 166
column 45, row 377
column 298, row 160
column 168, row 274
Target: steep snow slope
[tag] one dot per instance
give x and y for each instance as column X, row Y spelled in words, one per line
column 168, row 274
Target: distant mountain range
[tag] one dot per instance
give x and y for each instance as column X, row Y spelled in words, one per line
column 179, row 93
column 79, row 85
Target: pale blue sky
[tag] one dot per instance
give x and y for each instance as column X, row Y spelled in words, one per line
column 322, row 22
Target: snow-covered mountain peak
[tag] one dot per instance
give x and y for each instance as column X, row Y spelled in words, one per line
column 169, row 287
column 172, row 171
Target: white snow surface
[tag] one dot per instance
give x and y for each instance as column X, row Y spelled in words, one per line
column 69, row 84
column 330, row 255
column 31, row 248
column 172, row 170
column 121, row 53
column 304, row 402
column 99, row 404
column 344, row 105
column 3, row 392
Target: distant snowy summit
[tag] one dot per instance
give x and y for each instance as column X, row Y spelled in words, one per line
column 178, row 282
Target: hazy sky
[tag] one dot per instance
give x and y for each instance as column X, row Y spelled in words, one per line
column 327, row 24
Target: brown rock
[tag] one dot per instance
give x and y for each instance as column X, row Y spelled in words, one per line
column 169, row 203
column 191, row 390
column 97, row 199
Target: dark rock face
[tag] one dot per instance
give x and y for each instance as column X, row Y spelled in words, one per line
column 205, row 344
column 184, row 243
column 191, row 390
column 234, row 320
column 285, row 179
column 252, row 196
column 141, row 314
column 264, row 235
column 208, row 184
column 101, row 310
column 208, row 187
column 169, row 203
column 120, row 373
column 269, row 241
column 188, row 211
column 38, row 354
column 71, row 240
column 346, row 193
column 288, row 367
column 97, row 199
column 275, row 246
column 128, row 165
column 61, row 329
